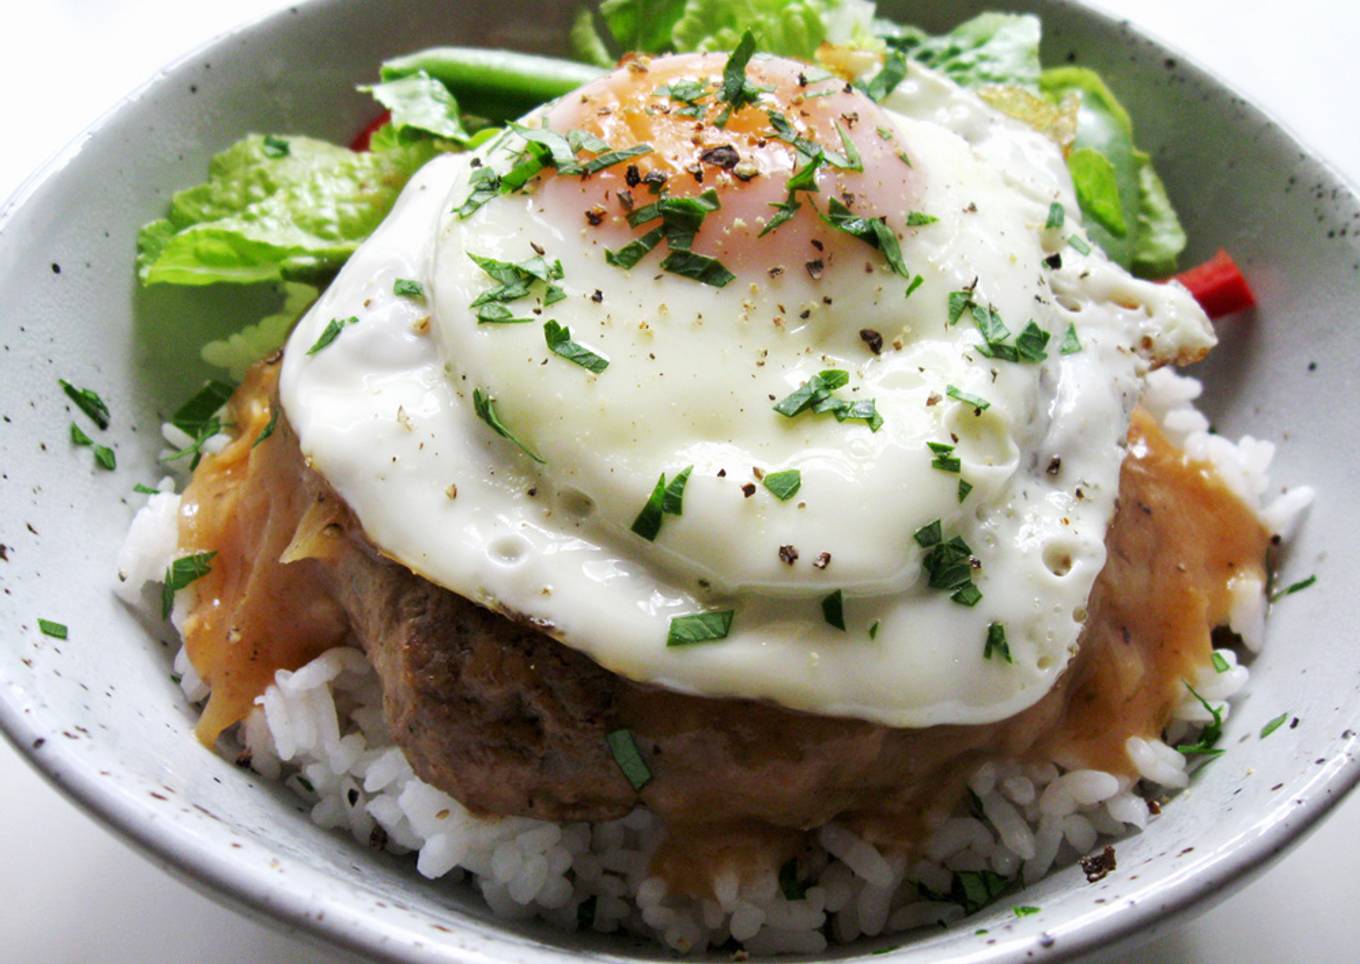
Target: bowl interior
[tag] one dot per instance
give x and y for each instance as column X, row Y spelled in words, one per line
column 100, row 715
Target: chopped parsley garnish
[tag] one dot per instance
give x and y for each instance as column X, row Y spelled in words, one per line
column 967, row 595
column 87, row 401
column 635, row 250
column 486, row 184
column 915, row 283
column 143, row 489
column 959, row 302
column 1292, row 588
column 407, row 288
column 78, row 436
column 851, row 161
column 49, row 628
column 699, row 628
column 1079, row 243
column 1071, row 344
column 275, row 147
column 979, row 404
column 873, row 629
column 560, row 343
column 1024, row 910
column 883, row 83
column 1209, row 736
column 789, row 884
column 996, row 643
column 833, row 610
column 485, row 407
column 1028, row 346
column 674, row 502
column 194, row 450
column 197, row 412
column 918, row 219
column 944, row 458
column 666, row 499
column 815, row 394
column 1220, row 664
column 181, row 573
column 544, row 148
column 1273, row 725
column 559, row 151
column 964, row 489
column 872, row 231
column 948, row 563
column 648, row 521
column 699, row 267
column 929, row 534
column 803, row 179
column 331, row 332
column 687, row 91
column 269, row 427
column 1030, row 343
column 624, row 749
column 497, row 314
column 681, row 218
column 784, row 484
column 975, row 889
column 1057, row 214
column 104, row 458
column 610, row 158
column 579, row 140
column 736, row 90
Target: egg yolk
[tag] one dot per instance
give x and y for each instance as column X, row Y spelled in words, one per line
column 748, row 160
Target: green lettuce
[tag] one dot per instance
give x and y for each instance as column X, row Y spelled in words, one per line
column 421, row 105
column 992, row 48
column 789, row 28
column 237, row 352
column 586, row 43
column 269, row 214
column 1128, row 212
column 1160, row 238
column 643, row 25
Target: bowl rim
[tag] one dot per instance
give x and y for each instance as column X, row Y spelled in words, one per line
column 252, row 888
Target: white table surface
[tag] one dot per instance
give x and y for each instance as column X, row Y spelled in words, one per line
column 69, row 891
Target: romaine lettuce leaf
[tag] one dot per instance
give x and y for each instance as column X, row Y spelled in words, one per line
column 793, row 29
column 1097, row 187
column 237, row 352
column 790, row 28
column 643, row 25
column 992, row 48
column 268, row 213
column 1103, row 126
column 1160, row 235
column 420, row 104
column 1152, row 235
column 586, row 43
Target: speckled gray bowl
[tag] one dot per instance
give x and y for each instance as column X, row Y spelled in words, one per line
column 99, row 715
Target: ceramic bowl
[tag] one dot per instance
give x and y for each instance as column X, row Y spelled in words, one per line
column 99, row 715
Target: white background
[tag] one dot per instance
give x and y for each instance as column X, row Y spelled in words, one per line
column 70, row 892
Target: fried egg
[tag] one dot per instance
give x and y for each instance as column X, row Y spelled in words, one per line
column 851, row 448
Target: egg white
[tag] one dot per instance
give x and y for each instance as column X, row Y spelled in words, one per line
column 385, row 413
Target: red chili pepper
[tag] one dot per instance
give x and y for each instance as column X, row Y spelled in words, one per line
column 1218, row 286
column 361, row 142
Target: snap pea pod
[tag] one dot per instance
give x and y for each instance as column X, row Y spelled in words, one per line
column 497, row 84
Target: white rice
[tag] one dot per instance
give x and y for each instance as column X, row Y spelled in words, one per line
column 321, row 730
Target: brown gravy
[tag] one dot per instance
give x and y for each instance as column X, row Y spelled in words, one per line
column 253, row 615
